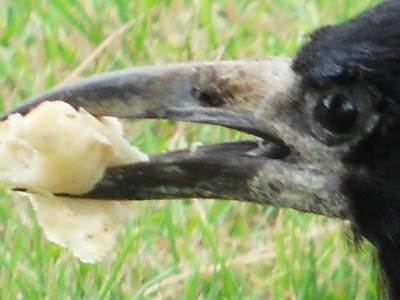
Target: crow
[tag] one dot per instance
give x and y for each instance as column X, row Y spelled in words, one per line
column 327, row 122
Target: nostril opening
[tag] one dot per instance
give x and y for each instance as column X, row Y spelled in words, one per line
column 206, row 99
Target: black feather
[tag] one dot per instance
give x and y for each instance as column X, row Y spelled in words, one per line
column 366, row 48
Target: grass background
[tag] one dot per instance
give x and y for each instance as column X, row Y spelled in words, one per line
column 182, row 249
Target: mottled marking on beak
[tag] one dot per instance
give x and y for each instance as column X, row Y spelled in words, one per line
column 248, row 85
column 302, row 189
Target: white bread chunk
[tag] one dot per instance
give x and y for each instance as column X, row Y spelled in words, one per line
column 57, row 149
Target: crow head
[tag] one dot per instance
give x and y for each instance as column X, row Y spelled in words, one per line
column 327, row 126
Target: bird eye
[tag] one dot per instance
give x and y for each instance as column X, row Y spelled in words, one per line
column 336, row 113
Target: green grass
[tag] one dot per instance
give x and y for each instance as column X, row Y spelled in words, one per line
column 178, row 249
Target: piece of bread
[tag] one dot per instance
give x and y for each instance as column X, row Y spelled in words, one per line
column 57, row 149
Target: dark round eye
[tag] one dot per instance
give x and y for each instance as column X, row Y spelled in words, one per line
column 336, row 113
